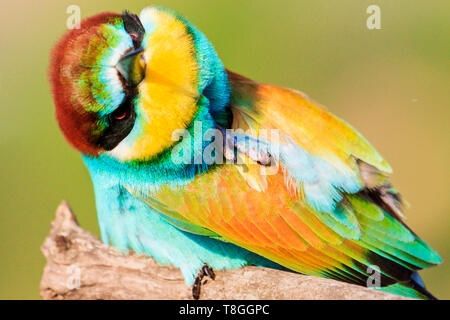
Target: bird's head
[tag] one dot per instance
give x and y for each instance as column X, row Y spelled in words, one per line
column 122, row 83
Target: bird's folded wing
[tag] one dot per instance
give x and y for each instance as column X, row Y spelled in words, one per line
column 321, row 154
column 282, row 227
column 327, row 210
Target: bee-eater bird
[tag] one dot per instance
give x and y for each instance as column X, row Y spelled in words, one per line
column 200, row 168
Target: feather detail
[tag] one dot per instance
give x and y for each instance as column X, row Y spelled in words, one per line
column 330, row 213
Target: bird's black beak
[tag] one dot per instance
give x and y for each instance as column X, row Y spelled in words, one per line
column 132, row 67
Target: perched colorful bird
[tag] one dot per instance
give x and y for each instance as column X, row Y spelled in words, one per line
column 199, row 167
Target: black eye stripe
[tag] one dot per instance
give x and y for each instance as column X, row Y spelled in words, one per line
column 134, row 27
column 118, row 129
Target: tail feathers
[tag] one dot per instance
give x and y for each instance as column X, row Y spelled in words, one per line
column 418, row 285
column 417, row 279
column 415, row 288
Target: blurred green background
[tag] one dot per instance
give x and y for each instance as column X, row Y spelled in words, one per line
column 391, row 84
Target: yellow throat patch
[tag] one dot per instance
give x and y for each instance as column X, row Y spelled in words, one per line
column 168, row 94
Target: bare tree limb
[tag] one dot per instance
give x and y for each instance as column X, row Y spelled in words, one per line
column 79, row 266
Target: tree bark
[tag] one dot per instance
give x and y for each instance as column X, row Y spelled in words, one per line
column 79, row 266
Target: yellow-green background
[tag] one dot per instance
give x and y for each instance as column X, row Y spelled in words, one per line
column 391, row 84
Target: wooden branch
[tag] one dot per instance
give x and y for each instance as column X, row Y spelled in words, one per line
column 79, row 266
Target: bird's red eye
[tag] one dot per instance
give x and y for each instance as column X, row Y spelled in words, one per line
column 133, row 36
column 120, row 116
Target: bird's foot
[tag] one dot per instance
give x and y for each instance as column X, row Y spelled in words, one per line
column 206, row 270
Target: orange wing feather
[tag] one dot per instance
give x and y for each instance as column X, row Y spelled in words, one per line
column 262, row 213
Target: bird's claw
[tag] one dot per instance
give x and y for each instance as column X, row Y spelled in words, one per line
column 206, row 270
